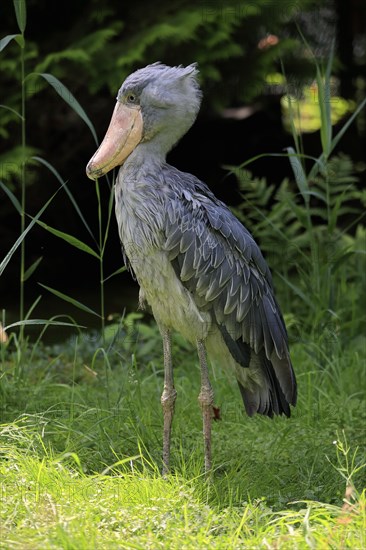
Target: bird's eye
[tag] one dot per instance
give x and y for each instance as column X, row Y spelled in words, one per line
column 131, row 98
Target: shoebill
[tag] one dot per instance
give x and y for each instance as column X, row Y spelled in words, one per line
column 198, row 267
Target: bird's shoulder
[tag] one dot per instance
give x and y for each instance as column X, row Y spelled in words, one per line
column 196, row 217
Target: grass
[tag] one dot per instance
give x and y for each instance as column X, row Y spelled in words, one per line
column 81, row 422
column 81, row 452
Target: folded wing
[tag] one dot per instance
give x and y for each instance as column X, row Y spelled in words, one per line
column 218, row 261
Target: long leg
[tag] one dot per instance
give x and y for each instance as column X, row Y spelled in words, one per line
column 205, row 399
column 168, row 398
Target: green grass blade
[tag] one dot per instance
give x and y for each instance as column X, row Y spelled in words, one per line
column 295, row 136
column 321, row 104
column 117, row 272
column 21, row 14
column 69, row 239
column 72, row 301
column 67, row 190
column 67, row 96
column 32, row 307
column 321, row 160
column 327, row 98
column 233, row 169
column 120, row 463
column 344, row 128
column 323, row 83
column 299, row 173
column 42, row 322
column 294, row 133
column 110, row 208
column 328, row 70
column 5, row 41
column 323, row 96
column 11, row 110
column 31, row 269
column 12, row 197
column 21, row 237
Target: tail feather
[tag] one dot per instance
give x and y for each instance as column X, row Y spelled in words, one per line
column 266, row 397
column 267, row 387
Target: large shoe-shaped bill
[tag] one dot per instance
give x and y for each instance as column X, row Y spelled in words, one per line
column 123, row 135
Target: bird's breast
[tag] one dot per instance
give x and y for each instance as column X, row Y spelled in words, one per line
column 173, row 306
column 140, row 224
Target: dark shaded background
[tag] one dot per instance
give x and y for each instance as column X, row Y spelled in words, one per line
column 215, row 140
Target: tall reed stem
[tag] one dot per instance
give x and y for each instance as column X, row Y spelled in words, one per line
column 23, row 185
column 101, row 257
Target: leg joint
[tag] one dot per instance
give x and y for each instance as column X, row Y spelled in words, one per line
column 168, row 398
column 206, row 396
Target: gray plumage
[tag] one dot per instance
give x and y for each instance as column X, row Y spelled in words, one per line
column 198, row 267
column 217, row 261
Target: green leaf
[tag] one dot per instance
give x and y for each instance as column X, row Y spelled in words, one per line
column 67, row 96
column 324, row 97
column 31, row 269
column 323, row 126
column 32, row 307
column 292, row 118
column 20, row 239
column 321, row 160
column 67, row 190
column 343, row 130
column 42, row 322
column 110, row 207
column 299, row 173
column 21, row 14
column 328, row 71
column 5, row 41
column 120, row 270
column 72, row 301
column 11, row 110
column 70, row 239
column 12, row 197
column 19, row 39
